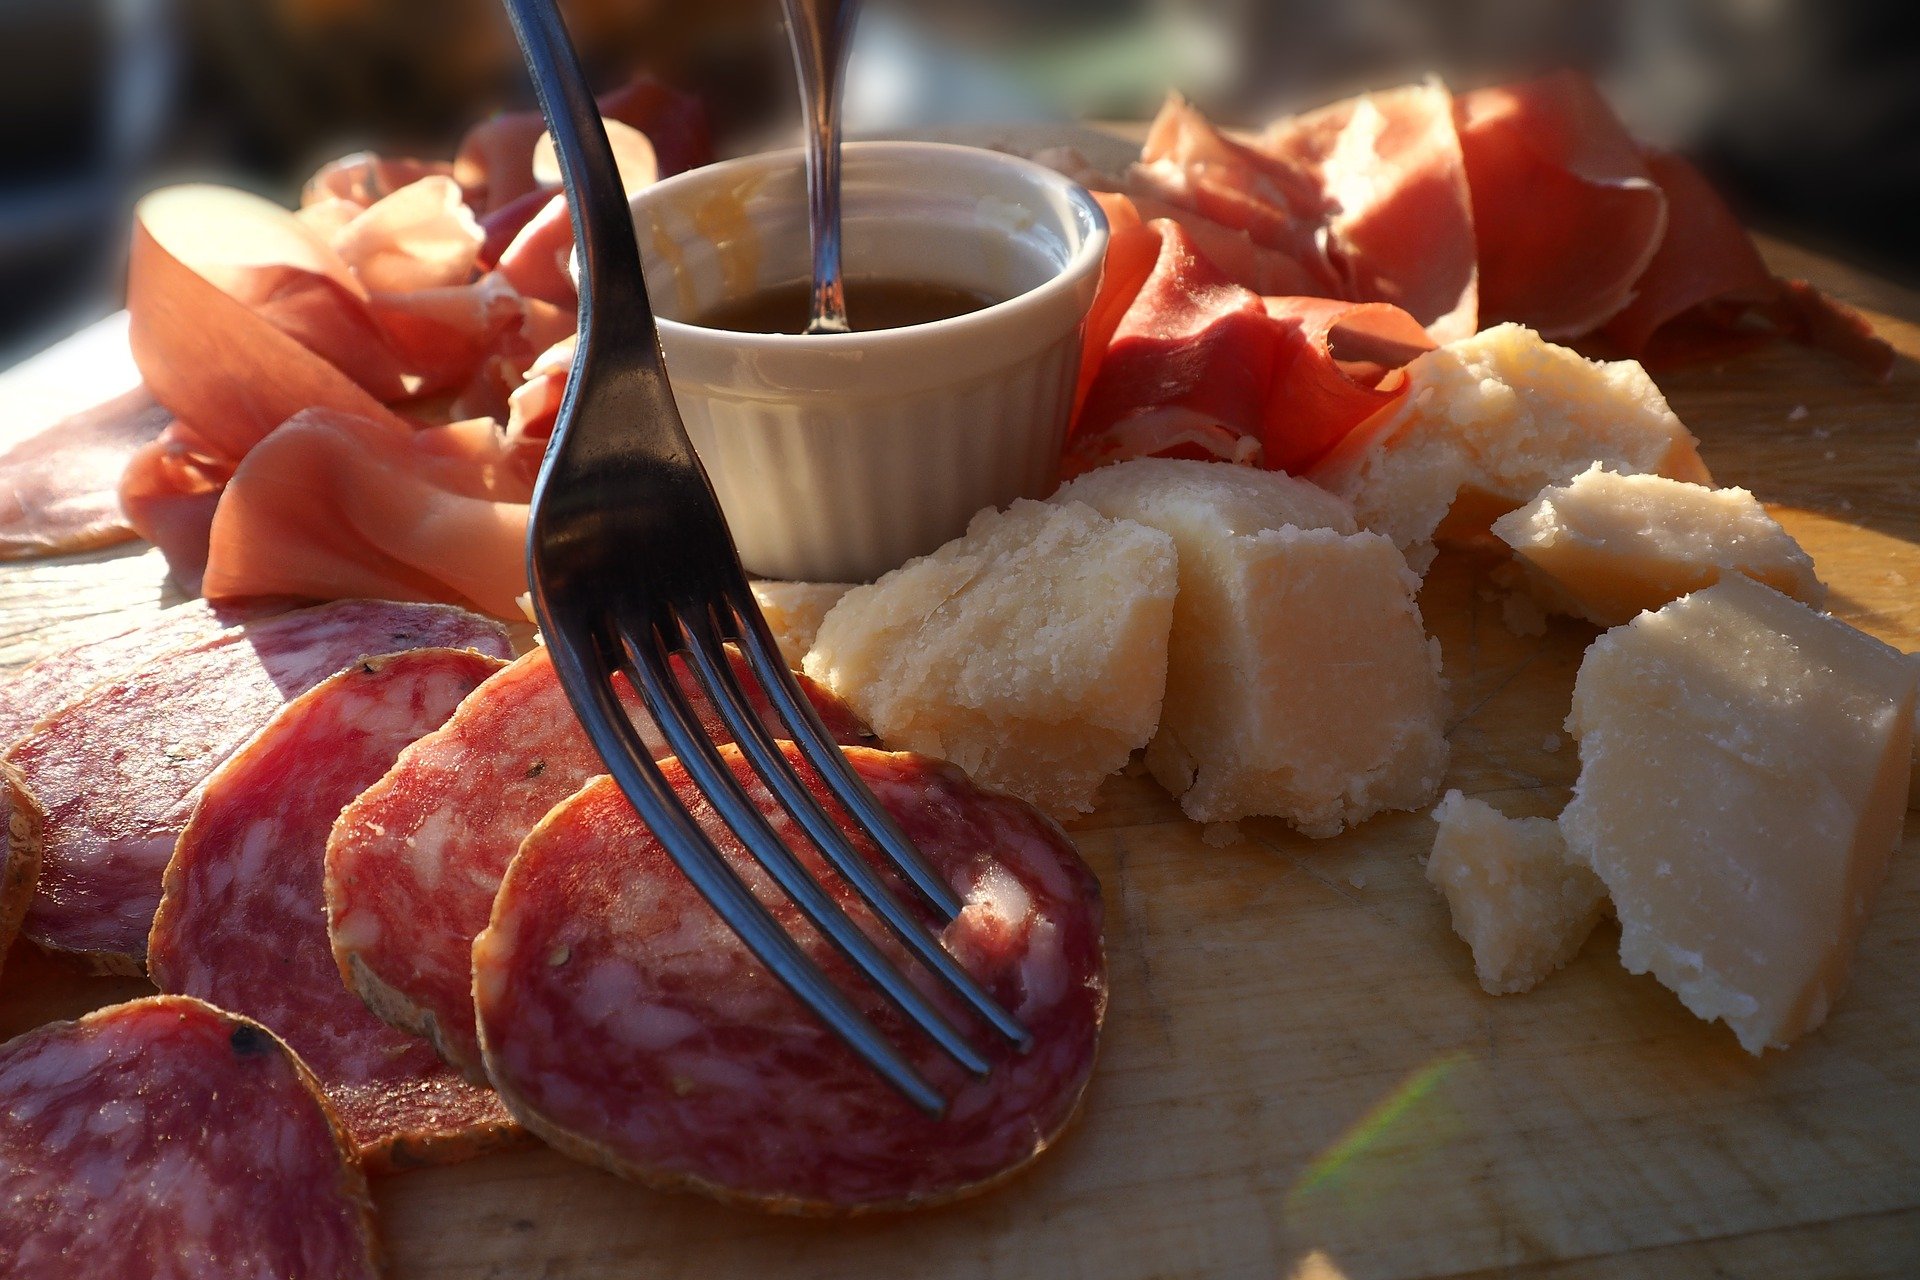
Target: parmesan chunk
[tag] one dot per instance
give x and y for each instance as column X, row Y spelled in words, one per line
column 1300, row 681
column 1605, row 547
column 794, row 612
column 1743, row 775
column 1031, row 651
column 1515, row 897
column 1489, row 421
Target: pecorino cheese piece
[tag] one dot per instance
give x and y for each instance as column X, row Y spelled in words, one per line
column 413, row 862
column 1300, row 680
column 1488, row 422
column 20, row 818
column 1743, row 775
column 794, row 612
column 626, row 1025
column 119, row 770
column 1031, row 651
column 1514, row 895
column 1606, row 546
column 167, row 1138
column 243, row 920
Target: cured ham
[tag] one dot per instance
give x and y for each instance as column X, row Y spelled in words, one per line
column 409, row 295
column 1195, row 365
column 1566, row 214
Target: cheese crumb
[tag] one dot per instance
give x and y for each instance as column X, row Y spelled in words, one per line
column 1516, row 898
column 1743, row 769
column 1300, row 680
column 1606, row 546
column 1489, row 421
column 794, row 612
column 1031, row 651
column 1220, row 835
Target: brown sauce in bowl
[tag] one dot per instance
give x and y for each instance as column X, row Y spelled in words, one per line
column 871, row 304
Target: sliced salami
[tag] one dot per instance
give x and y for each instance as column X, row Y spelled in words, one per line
column 57, row 679
column 119, row 770
column 243, row 923
column 626, row 1025
column 20, row 820
column 165, row 1137
column 413, row 863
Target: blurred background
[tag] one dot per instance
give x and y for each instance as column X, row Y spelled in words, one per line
column 1807, row 112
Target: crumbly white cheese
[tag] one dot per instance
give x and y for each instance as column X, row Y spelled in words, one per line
column 1606, row 546
column 1489, row 421
column 794, row 612
column 1516, row 898
column 1744, row 764
column 1301, row 683
column 1031, row 651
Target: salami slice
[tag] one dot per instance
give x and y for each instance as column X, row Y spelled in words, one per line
column 119, row 770
column 57, row 679
column 20, row 820
column 165, row 1137
column 413, row 863
column 243, row 923
column 626, row 1025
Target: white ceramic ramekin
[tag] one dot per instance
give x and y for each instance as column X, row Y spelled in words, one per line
column 839, row 457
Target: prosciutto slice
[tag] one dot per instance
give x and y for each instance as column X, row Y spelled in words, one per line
column 1191, row 364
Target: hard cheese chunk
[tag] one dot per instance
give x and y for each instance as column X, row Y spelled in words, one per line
column 1606, row 546
column 1515, row 896
column 1743, row 776
column 1300, row 680
column 1489, row 421
column 794, row 612
column 1031, row 651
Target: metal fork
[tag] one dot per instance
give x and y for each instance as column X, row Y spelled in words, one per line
column 631, row 563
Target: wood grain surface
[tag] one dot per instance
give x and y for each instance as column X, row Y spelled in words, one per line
column 1300, row 1077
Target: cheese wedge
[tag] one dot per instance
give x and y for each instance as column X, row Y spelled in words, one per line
column 1031, row 651
column 1606, row 546
column 1743, row 775
column 1300, row 681
column 794, row 612
column 1489, row 421
column 1516, row 898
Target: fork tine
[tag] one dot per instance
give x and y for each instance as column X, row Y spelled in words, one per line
column 730, row 700
column 668, row 704
column 633, row 768
column 811, row 736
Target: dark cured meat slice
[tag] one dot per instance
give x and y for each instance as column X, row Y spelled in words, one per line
column 243, row 922
column 412, row 864
column 164, row 1137
column 119, row 770
column 58, row 679
column 20, row 821
column 626, row 1025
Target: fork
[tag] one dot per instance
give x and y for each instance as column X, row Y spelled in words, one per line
column 631, row 564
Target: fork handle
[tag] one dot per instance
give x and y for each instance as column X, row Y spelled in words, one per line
column 613, row 290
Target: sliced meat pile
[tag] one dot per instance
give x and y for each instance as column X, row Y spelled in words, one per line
column 338, row 376
column 243, row 920
column 164, row 1137
column 628, row 1026
column 119, row 769
column 1218, row 334
column 413, row 863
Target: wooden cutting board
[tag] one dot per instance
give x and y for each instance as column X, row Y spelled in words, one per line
column 1300, row 1077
